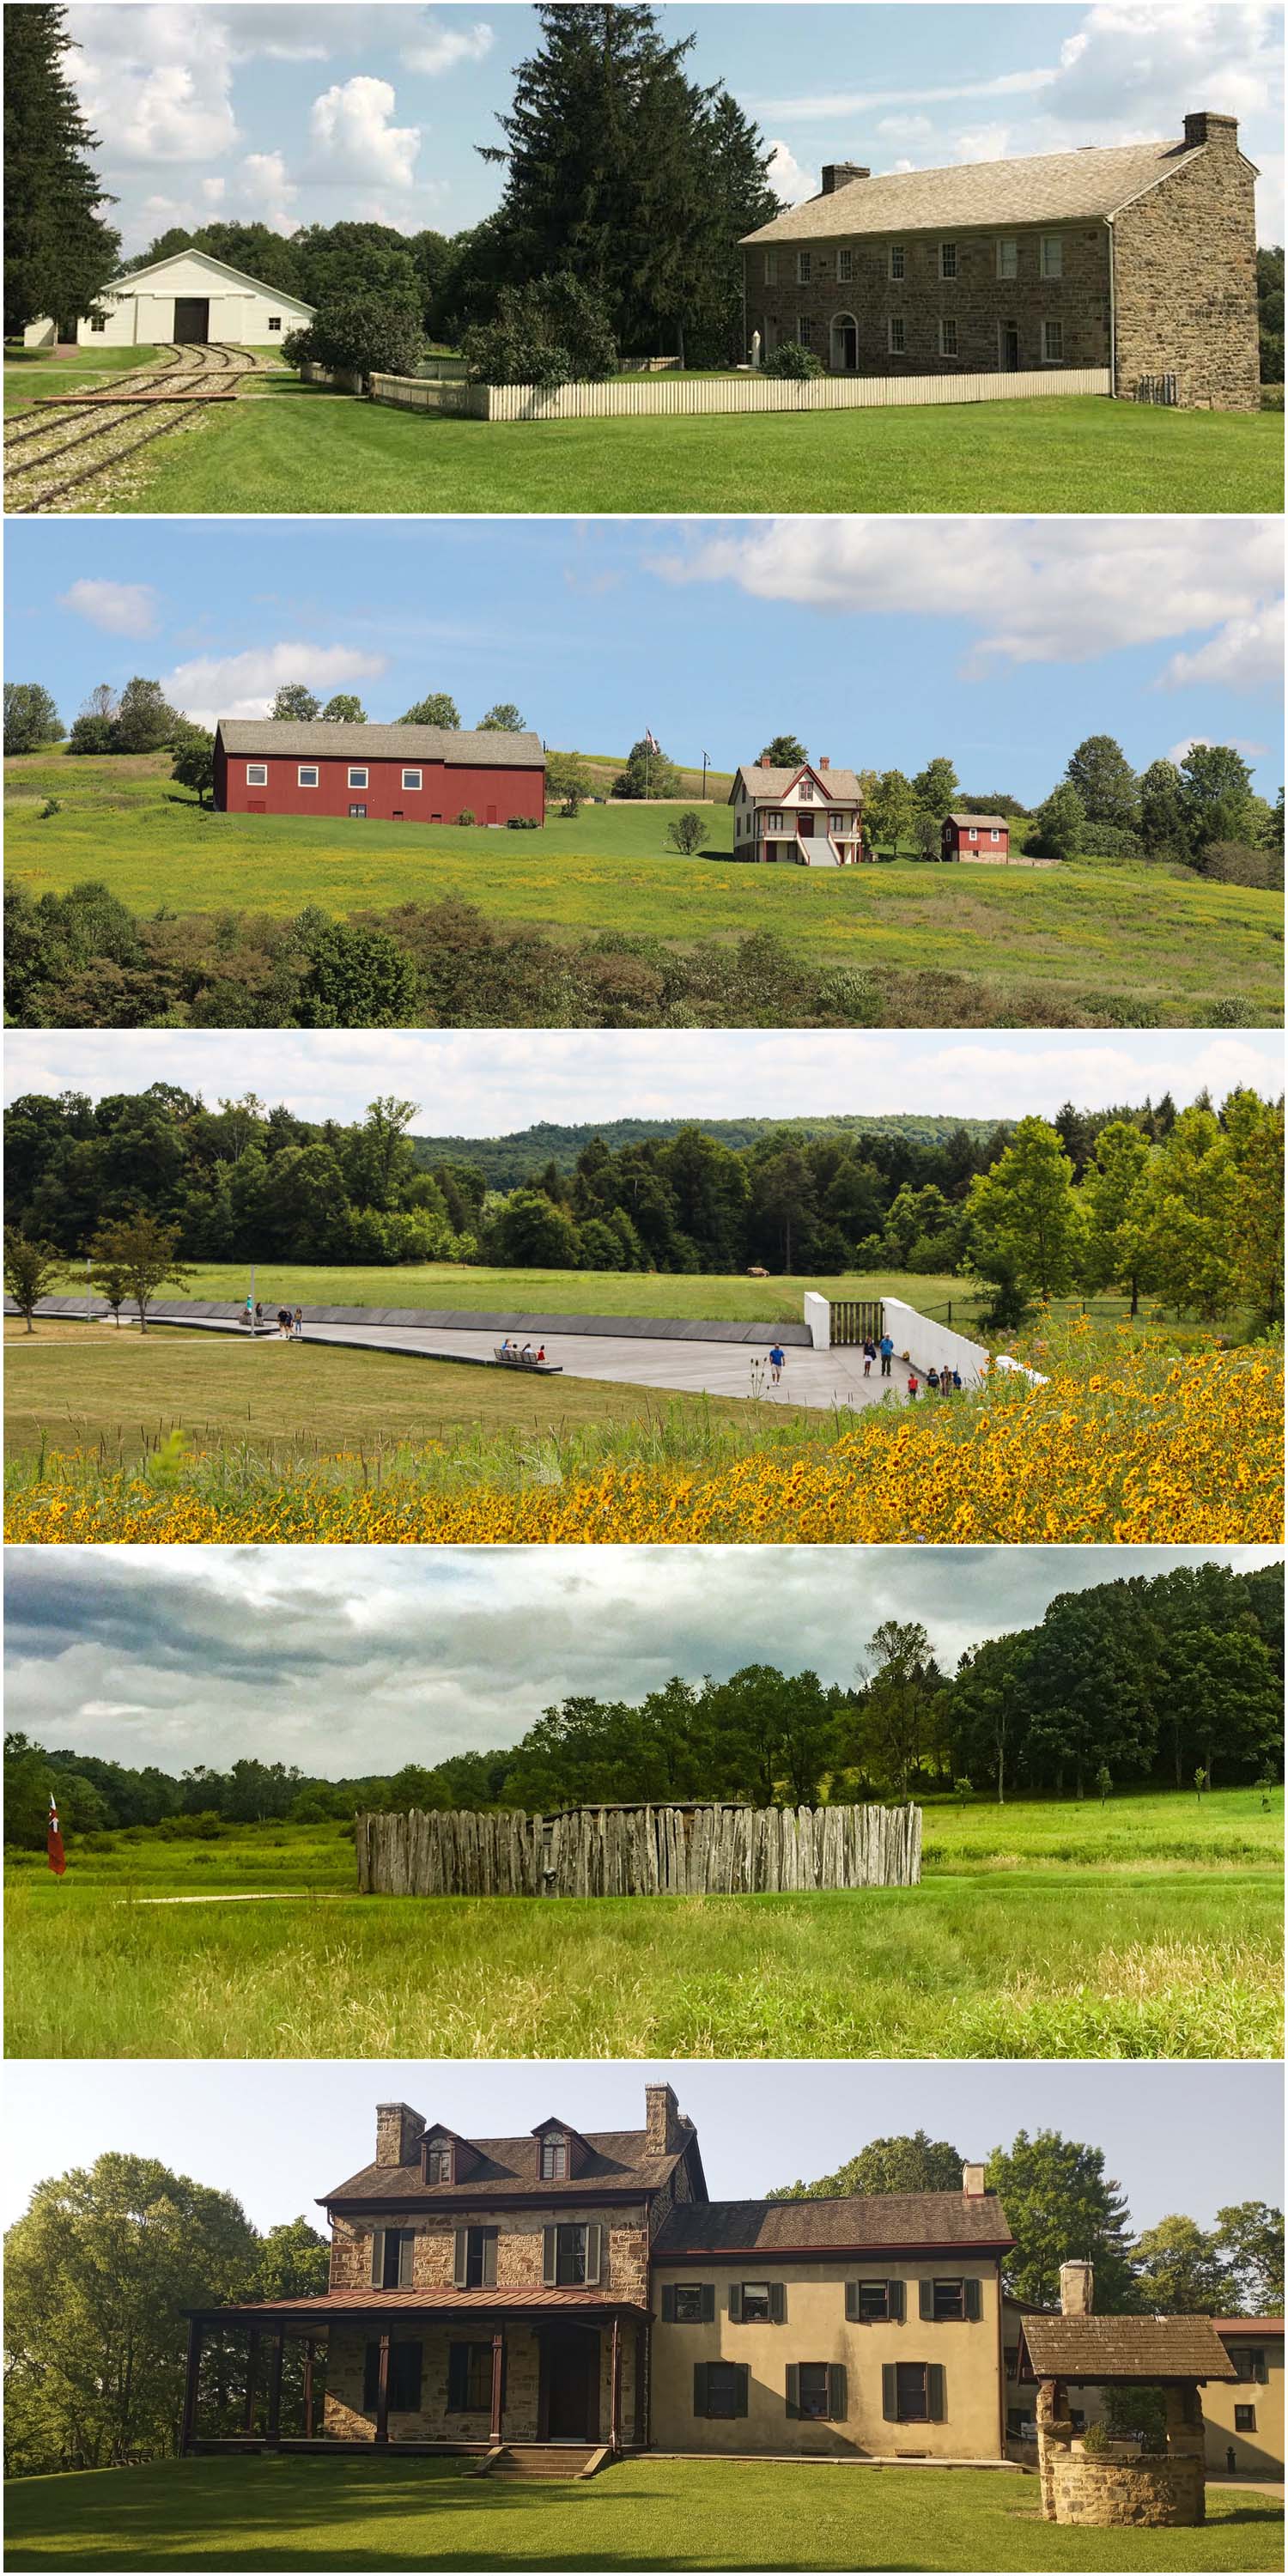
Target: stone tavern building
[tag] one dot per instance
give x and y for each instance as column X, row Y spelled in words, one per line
column 1136, row 257
column 557, row 2296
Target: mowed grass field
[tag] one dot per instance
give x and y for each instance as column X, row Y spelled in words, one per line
column 1122, row 942
column 289, row 448
column 1151, row 1927
column 29, row 376
column 659, row 2512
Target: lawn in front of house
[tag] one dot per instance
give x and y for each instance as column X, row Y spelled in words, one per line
column 284, row 449
column 649, row 2512
column 31, row 375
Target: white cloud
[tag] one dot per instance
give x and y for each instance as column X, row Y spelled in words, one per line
column 245, row 684
column 905, row 129
column 213, row 191
column 1036, row 590
column 1233, row 742
column 352, row 136
column 118, row 607
column 266, row 191
column 788, row 179
column 155, row 81
column 440, row 49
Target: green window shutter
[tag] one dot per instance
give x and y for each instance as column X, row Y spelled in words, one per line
column 974, row 2301
column 777, row 2303
column 852, row 2302
column 668, row 2303
column 896, row 2297
column 935, row 2397
column 926, row 2298
column 793, row 2388
column 735, row 2302
column 741, row 2383
column 708, row 2303
column 699, row 2388
column 406, row 2250
column 550, row 2237
column 489, row 2259
column 460, row 2257
column 889, row 2393
column 837, row 2394
column 594, row 2254
column 378, row 2259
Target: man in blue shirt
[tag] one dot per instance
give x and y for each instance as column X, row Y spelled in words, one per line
column 887, row 1354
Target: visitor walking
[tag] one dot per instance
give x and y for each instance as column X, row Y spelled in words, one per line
column 248, row 1315
column 776, row 1359
column 932, row 1378
column 297, row 1325
column 869, row 1354
column 283, row 1323
column 887, row 1354
column 913, row 1388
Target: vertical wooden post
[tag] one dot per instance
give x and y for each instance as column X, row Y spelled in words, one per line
column 252, row 2369
column 615, row 2390
column 274, row 2428
column 498, row 2382
column 308, row 2390
column 382, row 2392
column 188, row 2432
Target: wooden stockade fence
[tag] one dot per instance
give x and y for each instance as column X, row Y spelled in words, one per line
column 751, row 391
column 639, row 1851
column 857, row 1319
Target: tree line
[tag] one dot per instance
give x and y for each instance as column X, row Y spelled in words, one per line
column 1172, row 1678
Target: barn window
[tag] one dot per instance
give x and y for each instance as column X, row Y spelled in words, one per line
column 1052, row 258
column 974, row 836
column 1053, row 341
column 995, row 836
column 896, row 259
column 257, row 773
column 306, row 774
column 948, row 339
column 1008, row 258
column 274, row 321
column 948, row 259
column 411, row 778
column 357, row 778
column 357, row 813
column 98, row 322
column 897, row 337
column 844, row 266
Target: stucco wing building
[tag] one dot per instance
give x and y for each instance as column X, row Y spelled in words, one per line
column 188, row 297
column 808, row 816
column 1139, row 258
column 378, row 772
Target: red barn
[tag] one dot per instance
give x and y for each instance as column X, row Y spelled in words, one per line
column 378, row 773
column 976, row 836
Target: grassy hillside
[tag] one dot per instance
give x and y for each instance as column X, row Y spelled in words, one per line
column 1101, row 943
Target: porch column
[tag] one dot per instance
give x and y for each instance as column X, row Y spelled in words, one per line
column 615, row 2390
column 498, row 2382
column 382, row 2392
column 252, row 2369
column 308, row 2390
column 188, row 2431
column 274, row 2428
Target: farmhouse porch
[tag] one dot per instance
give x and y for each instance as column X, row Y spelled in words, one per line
column 450, row 2371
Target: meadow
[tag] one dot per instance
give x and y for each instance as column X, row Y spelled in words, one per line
column 1148, row 1927
column 1116, row 943
column 289, row 447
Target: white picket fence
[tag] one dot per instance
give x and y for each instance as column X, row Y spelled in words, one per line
column 638, row 1851
column 664, row 396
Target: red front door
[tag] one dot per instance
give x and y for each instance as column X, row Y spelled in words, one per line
column 805, row 826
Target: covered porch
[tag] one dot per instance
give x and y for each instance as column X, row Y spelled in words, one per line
column 436, row 2371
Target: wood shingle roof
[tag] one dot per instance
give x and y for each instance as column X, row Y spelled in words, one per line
column 1048, row 187
column 259, row 735
column 617, row 2161
column 1089, row 2349
column 878, row 2221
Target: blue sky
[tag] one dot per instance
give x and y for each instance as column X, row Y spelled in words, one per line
column 999, row 641
column 1177, row 2138
column 292, row 114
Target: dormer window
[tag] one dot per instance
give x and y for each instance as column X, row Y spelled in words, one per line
column 554, row 2159
column 440, row 2164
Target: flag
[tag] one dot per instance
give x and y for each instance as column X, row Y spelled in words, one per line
column 54, row 1845
column 652, row 743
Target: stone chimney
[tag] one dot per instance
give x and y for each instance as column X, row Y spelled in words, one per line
column 399, row 2131
column 838, row 174
column 973, row 2182
column 1077, row 2289
column 1204, row 127
column 664, row 2135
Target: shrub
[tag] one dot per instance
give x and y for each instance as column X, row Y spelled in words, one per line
column 52, row 805
column 355, row 335
column 1239, row 863
column 553, row 331
column 1109, row 841
column 466, row 814
column 790, row 359
column 687, row 832
column 91, row 734
column 521, row 823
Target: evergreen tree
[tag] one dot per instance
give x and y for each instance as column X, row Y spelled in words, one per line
column 1105, row 782
column 786, row 751
column 59, row 254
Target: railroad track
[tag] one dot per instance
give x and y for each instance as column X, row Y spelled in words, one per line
column 36, row 452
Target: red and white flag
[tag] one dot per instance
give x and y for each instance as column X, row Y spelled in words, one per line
column 651, row 740
column 54, row 1846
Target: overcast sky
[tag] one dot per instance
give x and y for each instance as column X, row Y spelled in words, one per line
column 491, row 1083
column 335, row 1658
column 1176, row 2137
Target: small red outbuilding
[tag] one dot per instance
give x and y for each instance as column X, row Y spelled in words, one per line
column 976, row 836
column 378, row 773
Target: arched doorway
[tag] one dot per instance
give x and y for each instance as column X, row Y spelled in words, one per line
column 844, row 352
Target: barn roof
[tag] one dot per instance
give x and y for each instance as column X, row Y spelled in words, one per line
column 381, row 742
column 616, row 2161
column 157, row 267
column 1047, row 187
column 876, row 2222
column 1103, row 2348
column 770, row 783
column 971, row 822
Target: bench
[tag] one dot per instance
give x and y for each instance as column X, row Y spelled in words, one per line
column 527, row 1360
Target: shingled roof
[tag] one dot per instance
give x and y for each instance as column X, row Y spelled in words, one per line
column 759, row 781
column 883, row 2222
column 972, row 822
column 1048, row 187
column 618, row 2161
column 258, row 735
column 1099, row 2348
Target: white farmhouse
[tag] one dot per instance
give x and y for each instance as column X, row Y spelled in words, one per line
column 188, row 297
column 811, row 816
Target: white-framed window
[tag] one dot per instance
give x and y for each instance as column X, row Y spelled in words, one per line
column 1008, row 257
column 948, row 338
column 1051, row 260
column 1053, row 341
column 804, row 267
column 357, row 778
column 804, row 329
column 98, row 322
column 844, row 266
column 306, row 775
column 357, row 813
column 837, row 822
column 805, row 791
column 771, row 268
column 274, row 321
column 411, row 778
column 995, row 836
column 948, row 259
column 257, row 773
column 777, row 822
column 896, row 339
column 974, row 836
column 897, row 262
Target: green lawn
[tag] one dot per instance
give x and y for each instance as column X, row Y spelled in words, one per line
column 29, row 376
column 288, row 449
column 709, row 1295
column 1148, row 1929
column 643, row 2513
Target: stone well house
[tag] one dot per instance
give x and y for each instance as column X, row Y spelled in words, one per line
column 810, row 816
column 1243, row 2416
column 1139, row 258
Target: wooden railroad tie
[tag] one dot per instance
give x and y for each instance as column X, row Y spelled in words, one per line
column 91, row 402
